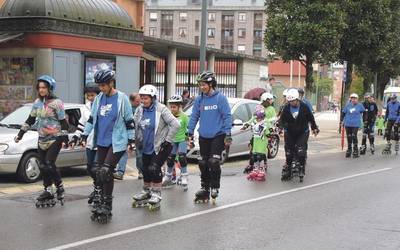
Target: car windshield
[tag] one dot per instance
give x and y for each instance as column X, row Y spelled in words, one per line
column 188, row 110
column 16, row 118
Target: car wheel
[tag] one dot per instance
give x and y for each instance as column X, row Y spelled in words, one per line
column 273, row 147
column 28, row 169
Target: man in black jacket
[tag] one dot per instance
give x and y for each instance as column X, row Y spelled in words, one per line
column 369, row 117
column 295, row 119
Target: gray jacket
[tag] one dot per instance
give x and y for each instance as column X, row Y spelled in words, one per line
column 166, row 126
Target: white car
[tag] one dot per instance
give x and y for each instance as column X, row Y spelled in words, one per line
column 242, row 110
column 22, row 158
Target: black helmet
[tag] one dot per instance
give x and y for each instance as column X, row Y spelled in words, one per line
column 301, row 91
column 92, row 88
column 104, row 76
column 207, row 77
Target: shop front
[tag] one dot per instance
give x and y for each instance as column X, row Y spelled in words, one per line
column 71, row 46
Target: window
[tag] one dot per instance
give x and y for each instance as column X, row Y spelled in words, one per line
column 195, row 1
column 241, row 48
column 241, row 113
column 211, row 17
column 196, row 40
column 152, row 31
column 258, row 34
column 257, row 52
column 242, row 33
column 242, row 17
column 153, row 16
column 183, row 16
column 167, row 24
column 182, row 32
column 258, row 17
column 228, row 33
column 196, row 25
column 211, row 45
column 17, row 81
column 211, row 32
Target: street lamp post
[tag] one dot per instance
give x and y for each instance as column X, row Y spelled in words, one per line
column 203, row 35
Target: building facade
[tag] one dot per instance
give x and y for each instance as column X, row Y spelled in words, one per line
column 234, row 25
column 69, row 40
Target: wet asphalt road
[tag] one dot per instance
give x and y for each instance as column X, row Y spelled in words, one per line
column 342, row 204
column 360, row 212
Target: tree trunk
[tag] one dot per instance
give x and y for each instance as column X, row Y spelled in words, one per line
column 383, row 79
column 309, row 77
column 349, row 79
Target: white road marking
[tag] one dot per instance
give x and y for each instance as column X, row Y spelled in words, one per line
column 212, row 210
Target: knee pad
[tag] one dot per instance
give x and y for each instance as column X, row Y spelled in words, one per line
column 171, row 160
column 154, row 170
column 203, row 165
column 182, row 160
column 92, row 169
column 104, row 174
column 214, row 163
column 44, row 167
column 301, row 152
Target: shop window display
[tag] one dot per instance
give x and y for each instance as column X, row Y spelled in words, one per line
column 17, row 79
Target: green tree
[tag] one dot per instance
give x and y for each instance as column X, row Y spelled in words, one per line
column 305, row 30
column 370, row 41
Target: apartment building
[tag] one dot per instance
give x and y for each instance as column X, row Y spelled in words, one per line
column 234, row 25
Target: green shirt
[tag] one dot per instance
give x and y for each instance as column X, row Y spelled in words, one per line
column 380, row 123
column 182, row 132
column 260, row 136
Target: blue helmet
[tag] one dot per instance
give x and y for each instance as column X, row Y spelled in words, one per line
column 104, row 76
column 49, row 80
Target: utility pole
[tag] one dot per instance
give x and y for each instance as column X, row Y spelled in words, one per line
column 203, row 35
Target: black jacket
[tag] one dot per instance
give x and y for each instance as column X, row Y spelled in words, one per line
column 301, row 123
column 371, row 111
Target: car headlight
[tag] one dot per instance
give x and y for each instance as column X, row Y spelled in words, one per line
column 3, row 148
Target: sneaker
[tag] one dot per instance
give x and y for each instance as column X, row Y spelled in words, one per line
column 119, row 175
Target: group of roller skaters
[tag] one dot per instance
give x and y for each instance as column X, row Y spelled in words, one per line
column 159, row 134
column 365, row 116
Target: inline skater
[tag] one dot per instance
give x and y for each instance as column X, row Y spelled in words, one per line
column 351, row 119
column 155, row 131
column 48, row 111
column 211, row 109
column 111, row 121
column 296, row 119
column 179, row 149
column 369, row 118
column 392, row 119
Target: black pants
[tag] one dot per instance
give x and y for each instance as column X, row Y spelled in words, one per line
column 390, row 127
column 352, row 140
column 296, row 146
column 48, row 167
column 210, row 162
column 152, row 165
column 368, row 131
column 106, row 158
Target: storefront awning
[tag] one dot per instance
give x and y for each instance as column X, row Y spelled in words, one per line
column 4, row 37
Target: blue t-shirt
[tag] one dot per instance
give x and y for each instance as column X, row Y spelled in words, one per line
column 107, row 115
column 148, row 126
column 294, row 111
column 353, row 115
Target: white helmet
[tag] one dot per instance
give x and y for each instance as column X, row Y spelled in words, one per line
column 354, row 95
column 266, row 96
column 285, row 92
column 292, row 94
column 175, row 99
column 148, row 89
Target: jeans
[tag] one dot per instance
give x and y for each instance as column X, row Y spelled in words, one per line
column 124, row 160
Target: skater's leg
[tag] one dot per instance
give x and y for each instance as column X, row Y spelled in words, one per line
column 214, row 162
column 110, row 163
column 289, row 154
column 44, row 169
column 205, row 151
column 355, row 142
column 301, row 143
column 90, row 156
column 139, row 162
